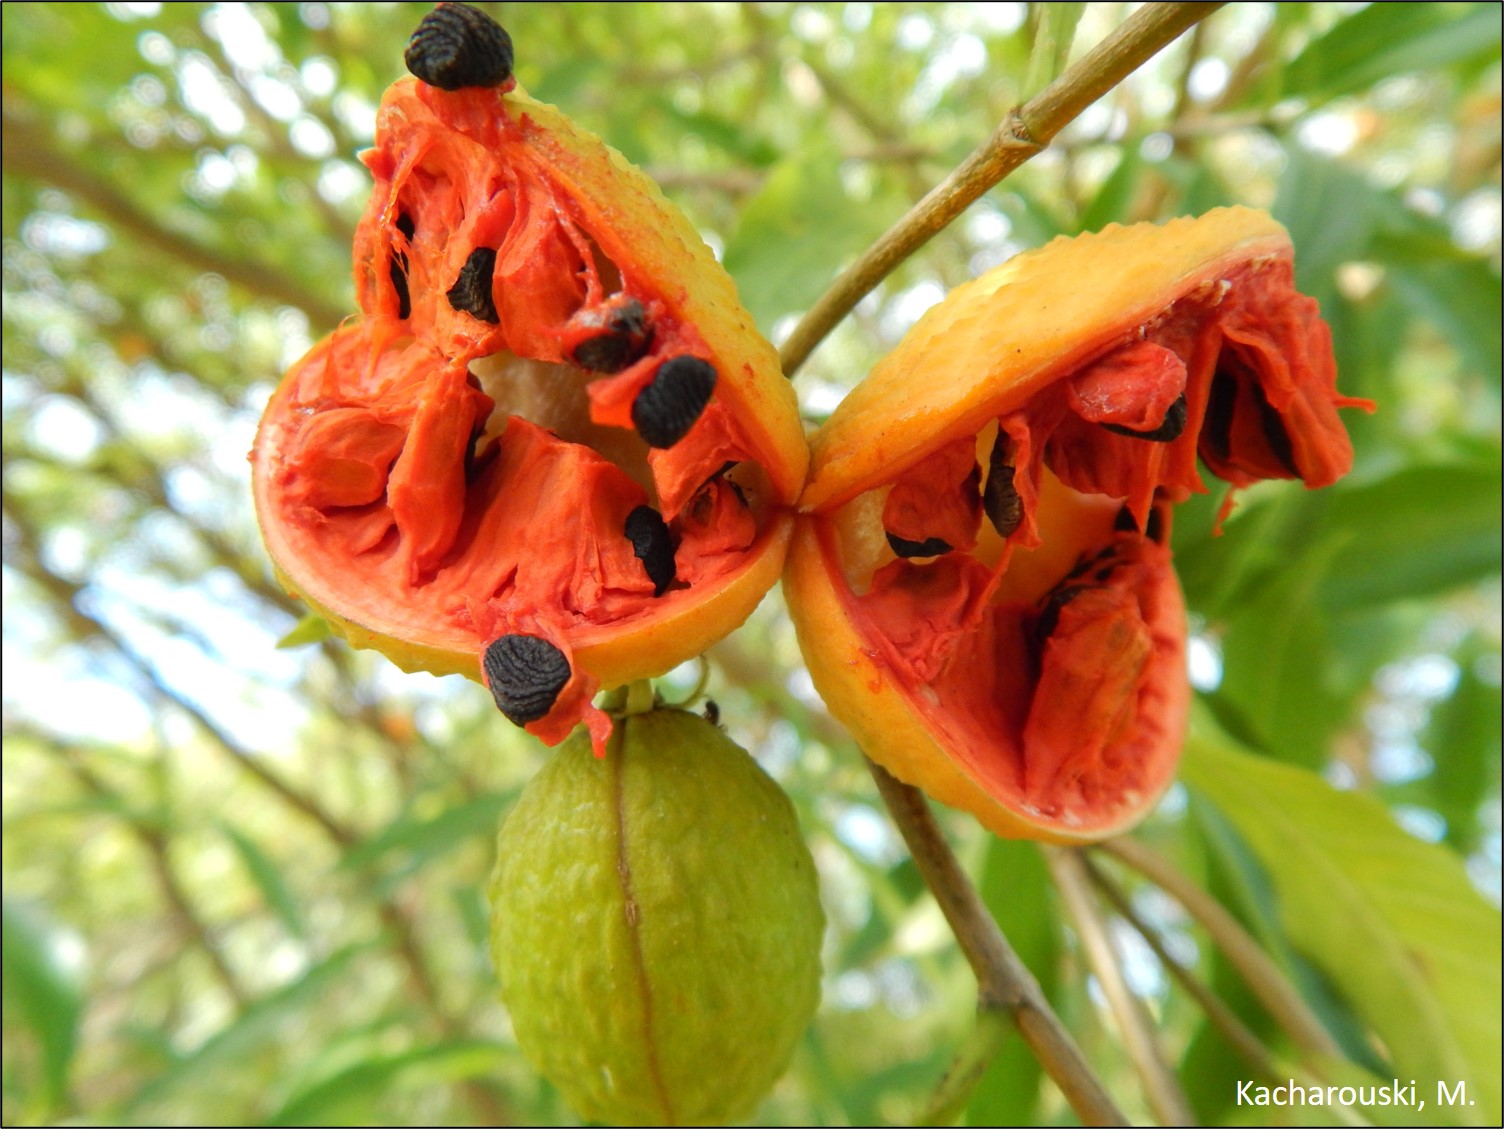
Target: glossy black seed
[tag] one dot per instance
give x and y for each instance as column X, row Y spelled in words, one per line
column 654, row 546
column 525, row 675
column 1049, row 615
column 397, row 268
column 1275, row 433
column 669, row 406
column 1000, row 500
column 472, row 291
column 1167, row 432
column 623, row 340
column 1154, row 529
column 459, row 46
column 712, row 713
column 929, row 547
column 1216, row 428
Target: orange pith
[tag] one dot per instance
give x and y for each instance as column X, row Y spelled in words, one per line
column 982, row 580
column 445, row 471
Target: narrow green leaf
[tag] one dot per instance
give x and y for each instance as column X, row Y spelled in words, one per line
column 1382, row 40
column 250, row 1031
column 274, row 889
column 420, row 840
column 1422, row 531
column 1393, row 922
column 43, row 992
column 310, row 630
column 326, row 1102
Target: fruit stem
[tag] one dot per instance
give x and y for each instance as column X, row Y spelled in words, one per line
column 640, row 697
column 1003, row 981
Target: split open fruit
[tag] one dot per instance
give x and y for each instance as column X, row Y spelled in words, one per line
column 553, row 452
column 982, row 581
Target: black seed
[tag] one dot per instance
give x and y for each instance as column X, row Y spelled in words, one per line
column 1124, row 522
column 624, row 338
column 1154, row 530
column 459, row 46
column 1216, row 428
column 1103, row 574
column 1000, row 500
column 712, row 713
column 397, row 268
column 1049, row 615
column 472, row 291
column 1275, row 433
column 1167, row 432
column 654, row 546
column 525, row 675
column 929, row 547
column 669, row 406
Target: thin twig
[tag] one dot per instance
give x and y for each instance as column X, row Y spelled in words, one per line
column 1164, row 1095
column 1244, row 953
column 1002, row 979
column 1221, row 1017
column 30, row 153
column 1023, row 134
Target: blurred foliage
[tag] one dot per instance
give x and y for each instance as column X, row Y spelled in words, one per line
column 244, row 884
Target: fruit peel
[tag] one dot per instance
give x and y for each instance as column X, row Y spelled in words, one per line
column 656, row 925
column 1031, row 668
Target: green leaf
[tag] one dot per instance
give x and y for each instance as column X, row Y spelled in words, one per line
column 420, row 840
column 310, row 630
column 796, row 231
column 1015, row 884
column 328, row 1102
column 1422, row 531
column 1391, row 39
column 1277, row 661
column 274, row 889
column 43, row 992
column 251, row 1030
column 1462, row 735
column 1393, row 922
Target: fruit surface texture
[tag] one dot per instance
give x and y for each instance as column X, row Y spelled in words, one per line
column 656, row 925
column 552, row 420
column 981, row 578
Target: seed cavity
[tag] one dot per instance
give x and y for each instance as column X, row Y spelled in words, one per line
column 525, row 675
column 1154, row 528
column 623, row 338
column 654, row 546
column 472, row 291
column 1124, row 522
column 397, row 268
column 929, row 547
column 1275, row 433
column 1000, row 499
column 1167, row 432
column 459, row 46
column 666, row 409
column 1049, row 615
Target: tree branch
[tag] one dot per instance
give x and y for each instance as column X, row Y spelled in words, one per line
column 1024, row 133
column 1002, row 980
column 1245, row 954
column 1165, row 1097
column 30, row 154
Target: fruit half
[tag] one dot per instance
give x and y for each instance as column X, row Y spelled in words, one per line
column 553, row 453
column 981, row 580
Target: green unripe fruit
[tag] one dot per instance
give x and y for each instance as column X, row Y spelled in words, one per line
column 656, row 925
